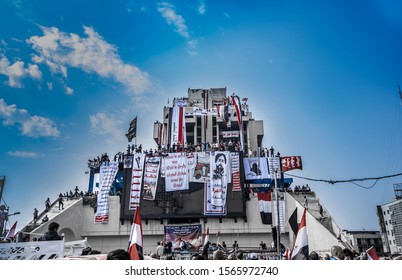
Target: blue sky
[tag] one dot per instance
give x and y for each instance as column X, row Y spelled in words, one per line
column 321, row 74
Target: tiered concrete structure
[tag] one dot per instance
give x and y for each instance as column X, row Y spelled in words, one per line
column 77, row 218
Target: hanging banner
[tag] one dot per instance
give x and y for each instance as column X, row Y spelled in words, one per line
column 107, row 173
column 151, row 174
column 255, row 168
column 236, row 185
column 214, row 198
column 176, row 176
column 136, row 180
column 216, row 191
column 178, row 128
column 190, row 234
column 231, row 134
column 274, row 167
column 282, row 213
column 200, row 172
column 128, row 161
column 202, row 112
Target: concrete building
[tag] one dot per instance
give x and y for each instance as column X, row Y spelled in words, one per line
column 362, row 240
column 390, row 220
column 207, row 120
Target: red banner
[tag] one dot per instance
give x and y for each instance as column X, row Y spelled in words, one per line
column 291, row 162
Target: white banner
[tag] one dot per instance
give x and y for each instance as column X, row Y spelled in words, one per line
column 274, row 165
column 202, row 112
column 176, row 175
column 230, row 134
column 200, row 172
column 255, row 168
column 151, row 174
column 136, row 180
column 43, row 250
column 107, row 173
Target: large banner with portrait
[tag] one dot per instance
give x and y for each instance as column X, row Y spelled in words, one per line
column 216, row 190
column 151, row 174
column 190, row 234
column 200, row 172
column 256, row 168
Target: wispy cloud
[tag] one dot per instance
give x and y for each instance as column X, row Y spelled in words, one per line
column 17, row 71
column 32, row 126
column 91, row 53
column 201, row 8
column 168, row 12
column 102, row 124
column 23, row 154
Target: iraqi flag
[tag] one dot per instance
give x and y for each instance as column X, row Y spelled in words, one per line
column 300, row 248
column 372, row 254
column 11, row 233
column 135, row 242
column 265, row 205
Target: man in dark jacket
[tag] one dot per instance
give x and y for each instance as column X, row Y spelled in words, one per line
column 51, row 234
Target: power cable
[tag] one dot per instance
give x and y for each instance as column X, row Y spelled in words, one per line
column 353, row 181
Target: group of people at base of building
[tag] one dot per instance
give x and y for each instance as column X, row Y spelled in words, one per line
column 220, row 253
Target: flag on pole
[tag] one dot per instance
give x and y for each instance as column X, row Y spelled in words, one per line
column 206, row 239
column 291, row 162
column 293, row 221
column 11, row 233
column 132, row 130
column 135, row 242
column 300, row 248
column 372, row 254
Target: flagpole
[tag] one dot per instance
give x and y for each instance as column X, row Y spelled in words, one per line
column 278, row 230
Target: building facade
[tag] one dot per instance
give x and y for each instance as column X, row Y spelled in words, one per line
column 363, row 240
column 390, row 220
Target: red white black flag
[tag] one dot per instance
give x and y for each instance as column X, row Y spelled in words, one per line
column 135, row 242
column 300, row 248
column 265, row 205
column 11, row 233
column 372, row 253
column 290, row 163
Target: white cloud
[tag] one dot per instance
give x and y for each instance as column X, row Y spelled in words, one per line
column 17, row 71
column 23, row 154
column 49, row 85
column 60, row 50
column 168, row 12
column 103, row 124
column 201, row 8
column 172, row 18
column 32, row 126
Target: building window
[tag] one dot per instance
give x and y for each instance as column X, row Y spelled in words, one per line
column 387, row 211
column 386, row 223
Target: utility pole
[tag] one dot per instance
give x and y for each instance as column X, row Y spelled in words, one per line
column 274, row 164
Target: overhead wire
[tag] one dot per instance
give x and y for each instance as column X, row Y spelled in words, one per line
column 352, row 181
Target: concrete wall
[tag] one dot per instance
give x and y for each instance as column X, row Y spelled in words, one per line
column 77, row 222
